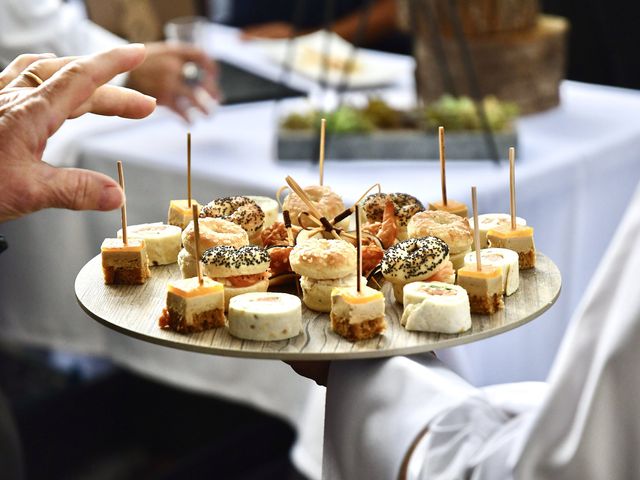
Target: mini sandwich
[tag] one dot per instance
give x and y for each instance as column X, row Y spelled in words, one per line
column 506, row 260
column 357, row 315
column 436, row 307
column 484, row 288
column 323, row 265
column 163, row 242
column 240, row 270
column 265, row 316
column 124, row 264
column 180, row 213
column 489, row 221
column 520, row 240
column 451, row 228
column 417, row 260
column 192, row 307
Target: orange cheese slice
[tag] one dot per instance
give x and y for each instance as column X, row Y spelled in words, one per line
column 352, row 296
column 452, row 206
column 504, row 231
column 486, row 272
column 112, row 245
column 189, row 287
column 182, row 205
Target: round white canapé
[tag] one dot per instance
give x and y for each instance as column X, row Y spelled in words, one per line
column 267, row 316
column 436, row 307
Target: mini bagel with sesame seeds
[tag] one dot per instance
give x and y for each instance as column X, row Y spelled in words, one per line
column 240, row 210
column 405, row 207
column 240, row 270
column 414, row 260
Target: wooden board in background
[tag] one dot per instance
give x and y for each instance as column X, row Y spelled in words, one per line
column 134, row 311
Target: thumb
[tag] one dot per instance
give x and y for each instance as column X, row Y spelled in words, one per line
column 77, row 189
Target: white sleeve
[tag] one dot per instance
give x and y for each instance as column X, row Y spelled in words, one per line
column 585, row 426
column 43, row 26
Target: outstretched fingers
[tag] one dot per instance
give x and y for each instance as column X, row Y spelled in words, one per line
column 69, row 88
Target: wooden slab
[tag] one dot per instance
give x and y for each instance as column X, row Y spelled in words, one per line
column 134, row 311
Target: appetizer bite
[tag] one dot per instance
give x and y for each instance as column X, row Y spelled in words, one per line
column 124, row 264
column 240, row 210
column 436, row 307
column 450, row 228
column 505, row 260
column 323, row 265
column 180, row 213
column 489, row 221
column 357, row 315
column 327, row 202
column 163, row 242
column 193, row 307
column 265, row 316
column 414, row 260
column 405, row 207
column 483, row 286
column 213, row 232
column 520, row 240
column 240, row 270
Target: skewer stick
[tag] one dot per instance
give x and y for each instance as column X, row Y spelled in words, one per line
column 512, row 185
column 305, row 198
column 287, row 224
column 189, row 168
column 323, row 124
column 359, row 247
column 443, row 176
column 476, row 229
column 196, row 230
column 123, row 209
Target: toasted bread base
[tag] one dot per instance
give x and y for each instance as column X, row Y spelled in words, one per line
column 357, row 331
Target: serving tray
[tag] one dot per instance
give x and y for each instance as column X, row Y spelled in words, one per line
column 134, row 311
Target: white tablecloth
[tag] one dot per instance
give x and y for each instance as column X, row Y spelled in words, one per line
column 577, row 167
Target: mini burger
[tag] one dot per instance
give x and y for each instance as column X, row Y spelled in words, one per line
column 323, row 265
column 240, row 270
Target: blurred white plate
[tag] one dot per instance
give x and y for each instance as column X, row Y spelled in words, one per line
column 322, row 56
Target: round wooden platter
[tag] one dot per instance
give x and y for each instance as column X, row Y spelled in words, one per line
column 134, row 311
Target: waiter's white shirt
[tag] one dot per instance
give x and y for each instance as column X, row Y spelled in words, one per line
column 50, row 26
column 583, row 424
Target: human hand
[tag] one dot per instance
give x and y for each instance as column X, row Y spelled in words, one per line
column 31, row 113
column 317, row 371
column 161, row 76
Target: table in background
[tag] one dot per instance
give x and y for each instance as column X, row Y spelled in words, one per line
column 577, row 167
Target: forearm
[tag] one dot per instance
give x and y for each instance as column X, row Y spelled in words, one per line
column 375, row 409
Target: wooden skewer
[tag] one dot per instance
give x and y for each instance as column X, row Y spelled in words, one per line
column 359, row 248
column 512, row 185
column 189, row 168
column 443, row 176
column 323, row 124
column 304, row 197
column 123, row 210
column 287, row 225
column 196, row 231
column 476, row 229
